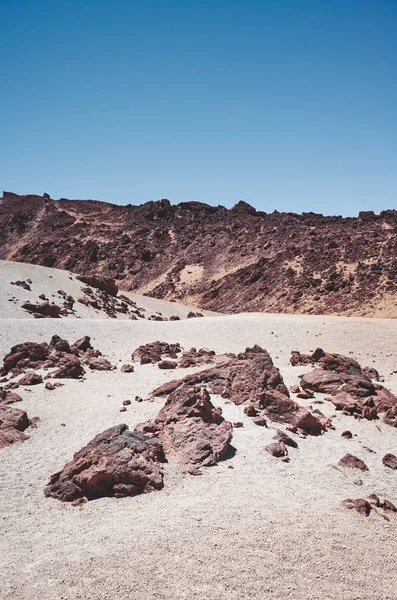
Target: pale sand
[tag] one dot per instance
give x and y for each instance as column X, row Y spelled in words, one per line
column 263, row 530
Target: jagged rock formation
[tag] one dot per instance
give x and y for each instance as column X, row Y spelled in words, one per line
column 226, row 260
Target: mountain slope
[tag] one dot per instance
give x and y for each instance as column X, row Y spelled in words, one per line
column 224, row 260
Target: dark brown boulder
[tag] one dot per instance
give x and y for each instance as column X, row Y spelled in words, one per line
column 347, row 434
column 321, row 381
column 99, row 363
column 59, row 344
column 117, row 462
column 30, row 379
column 277, row 449
column 167, row 364
column 81, row 345
column 352, row 462
column 154, row 352
column 70, row 368
column 282, row 409
column 191, row 428
column 13, row 423
column 390, row 460
column 8, row 397
column 45, row 309
column 30, row 353
column 127, row 368
column 358, row 504
column 283, row 437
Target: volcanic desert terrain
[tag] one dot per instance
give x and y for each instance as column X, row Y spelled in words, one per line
column 160, row 451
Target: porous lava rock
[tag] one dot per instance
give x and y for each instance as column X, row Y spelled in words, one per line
column 154, row 352
column 191, row 428
column 277, row 449
column 360, row 505
column 13, row 423
column 117, row 462
column 352, row 462
column 390, row 460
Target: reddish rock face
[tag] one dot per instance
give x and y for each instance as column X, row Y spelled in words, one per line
column 390, row 460
column 352, row 462
column 132, row 244
column 191, row 428
column 13, row 423
column 117, row 462
column 358, row 504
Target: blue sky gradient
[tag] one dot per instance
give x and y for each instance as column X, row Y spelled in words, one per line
column 286, row 104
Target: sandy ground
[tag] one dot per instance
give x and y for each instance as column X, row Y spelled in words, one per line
column 50, row 281
column 252, row 527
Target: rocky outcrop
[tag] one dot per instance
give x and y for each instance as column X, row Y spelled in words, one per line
column 155, row 351
column 105, row 284
column 155, row 243
column 8, row 397
column 13, row 423
column 117, row 462
column 352, row 388
column 251, row 378
column 191, row 428
column 43, row 309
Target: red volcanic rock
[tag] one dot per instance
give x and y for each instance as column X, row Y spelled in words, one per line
column 277, row 449
column 13, row 423
column 352, row 462
column 191, row 428
column 321, row 381
column 295, row 389
column 155, row 351
column 167, row 364
column 284, row 438
column 52, row 386
column 22, row 284
column 127, row 368
column 390, row 416
column 31, row 379
column 117, row 462
column 347, row 434
column 59, row 344
column 193, row 315
column 174, row 318
column 282, row 409
column 44, row 309
column 70, row 368
column 30, row 353
column 100, row 364
column 390, row 460
column 260, row 421
column 358, row 504
column 105, row 284
column 8, row 397
column 194, row 358
column 81, row 345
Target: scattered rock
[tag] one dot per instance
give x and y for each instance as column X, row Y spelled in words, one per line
column 352, row 462
column 359, row 504
column 277, row 449
column 390, row 460
column 261, row 421
column 347, row 434
column 167, row 364
column 284, row 438
column 13, row 423
column 127, row 368
column 100, row 364
column 8, row 397
column 31, row 379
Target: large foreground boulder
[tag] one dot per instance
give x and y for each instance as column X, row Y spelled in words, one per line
column 13, row 423
column 191, row 428
column 117, row 462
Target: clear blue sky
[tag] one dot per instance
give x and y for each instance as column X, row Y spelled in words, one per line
column 286, row 104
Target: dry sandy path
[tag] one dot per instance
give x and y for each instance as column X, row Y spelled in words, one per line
column 262, row 529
